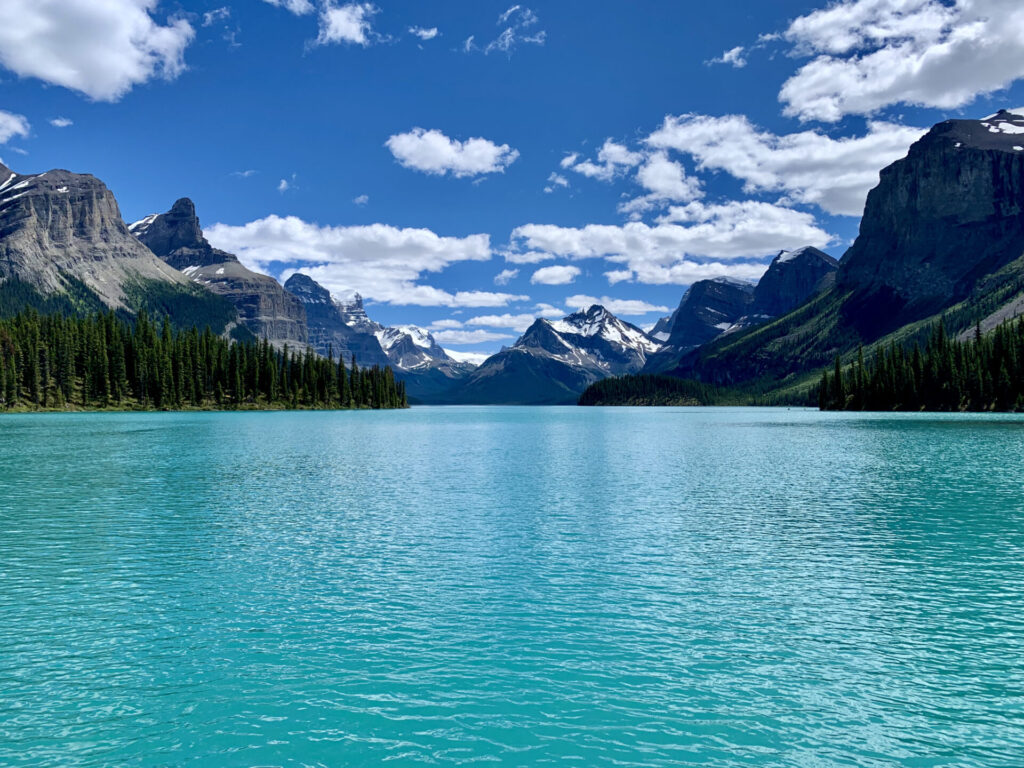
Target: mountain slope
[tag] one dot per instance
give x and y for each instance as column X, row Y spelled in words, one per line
column 943, row 232
column 554, row 361
column 263, row 305
column 61, row 234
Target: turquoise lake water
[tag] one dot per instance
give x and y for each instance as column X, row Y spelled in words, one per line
column 512, row 587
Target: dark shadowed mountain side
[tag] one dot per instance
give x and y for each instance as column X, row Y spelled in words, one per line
column 792, row 278
column 707, row 309
column 64, row 246
column 332, row 325
column 554, row 361
column 263, row 305
column 942, row 233
column 342, row 325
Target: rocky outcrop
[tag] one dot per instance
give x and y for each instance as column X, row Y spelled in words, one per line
column 263, row 305
column 554, row 361
column 334, row 327
column 940, row 219
column 58, row 226
column 791, row 279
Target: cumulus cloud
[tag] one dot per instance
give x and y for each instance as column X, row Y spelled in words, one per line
column 433, row 152
column 665, row 180
column 869, row 54
column 382, row 262
column 361, row 200
column 613, row 159
column 350, row 23
column 808, row 166
column 478, row 336
column 555, row 180
column 424, row 33
column 12, row 125
column 517, row 323
column 101, row 49
column 298, row 7
column 506, row 276
column 733, row 56
column 61, row 122
column 476, row 358
column 628, row 307
column 559, row 274
column 519, row 31
column 670, row 251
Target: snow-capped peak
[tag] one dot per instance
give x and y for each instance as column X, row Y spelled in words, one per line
column 598, row 321
column 140, row 226
column 420, row 337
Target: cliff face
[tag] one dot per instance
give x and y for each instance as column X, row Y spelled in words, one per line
column 263, row 305
column 57, row 224
column 328, row 329
column 792, row 278
column 940, row 219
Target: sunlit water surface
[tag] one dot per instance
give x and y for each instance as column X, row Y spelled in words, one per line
column 512, row 586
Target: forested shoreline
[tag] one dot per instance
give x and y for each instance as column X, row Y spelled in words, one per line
column 983, row 374
column 102, row 362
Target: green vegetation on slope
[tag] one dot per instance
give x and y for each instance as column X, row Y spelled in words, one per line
column 647, row 389
column 57, row 362
column 984, row 374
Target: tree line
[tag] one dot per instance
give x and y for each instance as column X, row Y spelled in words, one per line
column 985, row 373
column 61, row 362
column 647, row 389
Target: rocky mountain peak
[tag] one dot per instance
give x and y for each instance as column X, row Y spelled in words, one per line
column 308, row 290
column 792, row 278
column 177, row 238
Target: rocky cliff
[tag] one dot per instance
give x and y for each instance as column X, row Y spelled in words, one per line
column 60, row 227
column 791, row 279
column 263, row 305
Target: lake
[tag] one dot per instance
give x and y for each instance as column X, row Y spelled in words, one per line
column 512, row 587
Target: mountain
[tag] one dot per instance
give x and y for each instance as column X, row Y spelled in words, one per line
column 343, row 329
column 792, row 278
column 707, row 309
column 263, row 305
column 63, row 242
column 554, row 361
column 341, row 324
column 942, row 236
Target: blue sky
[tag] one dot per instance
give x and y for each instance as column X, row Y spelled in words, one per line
column 467, row 166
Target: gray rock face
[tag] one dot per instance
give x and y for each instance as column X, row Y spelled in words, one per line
column 328, row 323
column 946, row 215
column 342, row 325
column 708, row 309
column 791, row 279
column 263, row 305
column 59, row 224
column 554, row 361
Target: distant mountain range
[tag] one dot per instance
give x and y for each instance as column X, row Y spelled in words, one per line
column 942, row 237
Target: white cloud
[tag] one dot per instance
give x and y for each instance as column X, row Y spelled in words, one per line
column 612, row 160
column 361, row 200
column 519, row 20
column 283, row 185
column 424, row 33
column 298, row 7
column 478, row 336
column 668, row 252
column 476, row 358
column 518, row 323
column 433, row 152
column 348, row 23
column 244, row 174
column 217, row 14
column 549, row 311
column 733, row 56
column 445, row 324
column 870, row 54
column 809, row 167
column 526, row 257
column 101, row 49
column 61, row 122
column 629, row 307
column 569, row 160
column 382, row 262
column 506, row 276
column 12, row 125
column 665, row 180
column 559, row 274
column 619, row 276
column 555, row 180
